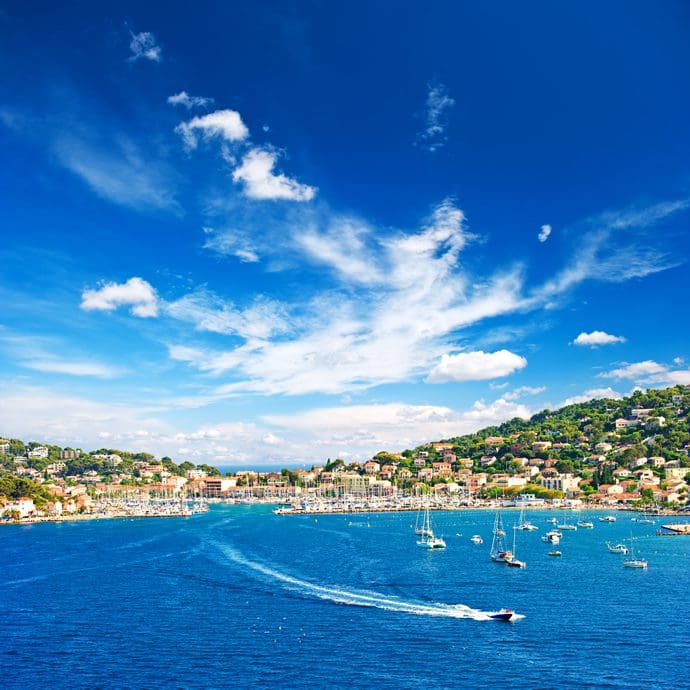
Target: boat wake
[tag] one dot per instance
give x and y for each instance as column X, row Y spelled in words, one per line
column 346, row 597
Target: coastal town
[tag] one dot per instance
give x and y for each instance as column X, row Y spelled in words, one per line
column 632, row 453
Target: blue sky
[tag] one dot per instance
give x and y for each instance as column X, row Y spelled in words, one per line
column 255, row 232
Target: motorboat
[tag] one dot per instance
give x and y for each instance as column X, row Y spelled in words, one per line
column 552, row 537
column 502, row 615
column 476, row 539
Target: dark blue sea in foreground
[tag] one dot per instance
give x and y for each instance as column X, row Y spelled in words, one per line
column 240, row 597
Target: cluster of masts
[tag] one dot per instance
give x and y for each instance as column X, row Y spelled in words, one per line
column 500, row 553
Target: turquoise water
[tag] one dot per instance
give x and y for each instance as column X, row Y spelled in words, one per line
column 242, row 598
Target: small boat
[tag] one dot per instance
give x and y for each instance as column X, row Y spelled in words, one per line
column 607, row 518
column 476, row 539
column 502, row 615
column 552, row 537
column 617, row 548
column 555, row 553
column 632, row 562
column 644, row 519
column 515, row 563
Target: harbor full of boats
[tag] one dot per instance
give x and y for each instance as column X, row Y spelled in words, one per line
column 510, row 527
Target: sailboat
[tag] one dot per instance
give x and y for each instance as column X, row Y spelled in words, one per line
column 523, row 524
column 427, row 539
column 419, row 525
column 585, row 524
column 566, row 525
column 513, row 562
column 499, row 553
column 632, row 562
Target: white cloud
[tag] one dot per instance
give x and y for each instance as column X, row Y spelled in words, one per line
column 438, row 102
column 143, row 45
column 476, row 366
column 189, row 102
column 650, row 373
column 521, row 391
column 637, row 371
column 135, row 293
column 544, row 233
column 412, row 299
column 53, row 416
column 260, row 182
column 226, row 124
column 596, row 338
column 592, row 394
column 359, row 431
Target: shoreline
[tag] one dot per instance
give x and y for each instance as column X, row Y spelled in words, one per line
column 325, row 507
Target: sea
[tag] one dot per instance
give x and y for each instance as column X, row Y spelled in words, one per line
column 241, row 598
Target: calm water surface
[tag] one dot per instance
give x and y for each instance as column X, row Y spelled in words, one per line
column 242, row 598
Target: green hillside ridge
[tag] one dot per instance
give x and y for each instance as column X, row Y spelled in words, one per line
column 576, row 430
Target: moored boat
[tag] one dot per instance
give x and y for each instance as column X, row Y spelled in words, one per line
column 428, row 539
column 632, row 562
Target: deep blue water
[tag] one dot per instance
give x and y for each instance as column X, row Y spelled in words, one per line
column 242, row 598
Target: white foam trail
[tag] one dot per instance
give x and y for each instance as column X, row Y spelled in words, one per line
column 370, row 599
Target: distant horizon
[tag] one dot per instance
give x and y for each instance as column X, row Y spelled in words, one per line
column 263, row 230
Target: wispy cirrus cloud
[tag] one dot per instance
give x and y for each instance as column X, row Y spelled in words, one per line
column 597, row 338
column 208, row 312
column 38, row 353
column 616, row 246
column 438, row 103
column 118, row 171
column 144, row 47
column 410, row 300
column 230, row 243
column 54, row 365
column 398, row 302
